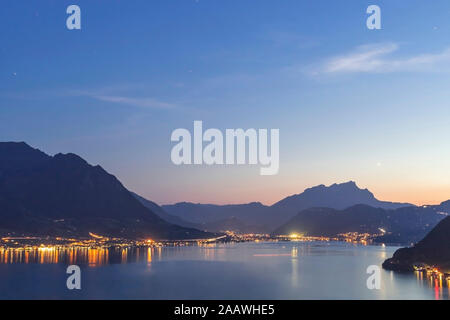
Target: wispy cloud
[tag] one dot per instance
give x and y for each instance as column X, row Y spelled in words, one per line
column 126, row 95
column 135, row 102
column 379, row 58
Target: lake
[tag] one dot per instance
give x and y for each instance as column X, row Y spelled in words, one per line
column 265, row 270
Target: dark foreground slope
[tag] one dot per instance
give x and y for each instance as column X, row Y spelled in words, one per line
column 433, row 250
column 64, row 195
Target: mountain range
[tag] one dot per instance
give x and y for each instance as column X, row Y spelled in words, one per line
column 257, row 217
column 155, row 208
column 319, row 211
column 63, row 195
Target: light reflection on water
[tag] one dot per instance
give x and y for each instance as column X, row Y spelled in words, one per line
column 94, row 257
column 220, row 271
column 49, row 255
column 438, row 283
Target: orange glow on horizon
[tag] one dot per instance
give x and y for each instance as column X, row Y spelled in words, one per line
column 418, row 195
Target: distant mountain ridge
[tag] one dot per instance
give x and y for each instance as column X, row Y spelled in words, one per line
column 227, row 223
column 155, row 208
column 199, row 213
column 336, row 196
column 64, row 195
column 261, row 218
column 445, row 206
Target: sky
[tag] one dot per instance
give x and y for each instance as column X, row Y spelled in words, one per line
column 351, row 103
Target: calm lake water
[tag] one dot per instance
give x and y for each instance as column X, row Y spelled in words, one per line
column 274, row 270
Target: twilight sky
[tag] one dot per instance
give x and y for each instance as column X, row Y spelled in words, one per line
column 351, row 103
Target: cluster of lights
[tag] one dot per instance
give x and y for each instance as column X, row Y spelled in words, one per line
column 247, row 237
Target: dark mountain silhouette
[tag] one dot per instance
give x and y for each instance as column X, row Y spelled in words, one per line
column 155, row 208
column 253, row 217
column 64, row 195
column 201, row 213
column 403, row 225
column 261, row 218
column 433, row 251
column 228, row 223
column 336, row 196
column 445, row 207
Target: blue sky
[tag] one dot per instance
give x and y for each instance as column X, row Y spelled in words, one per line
column 351, row 103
